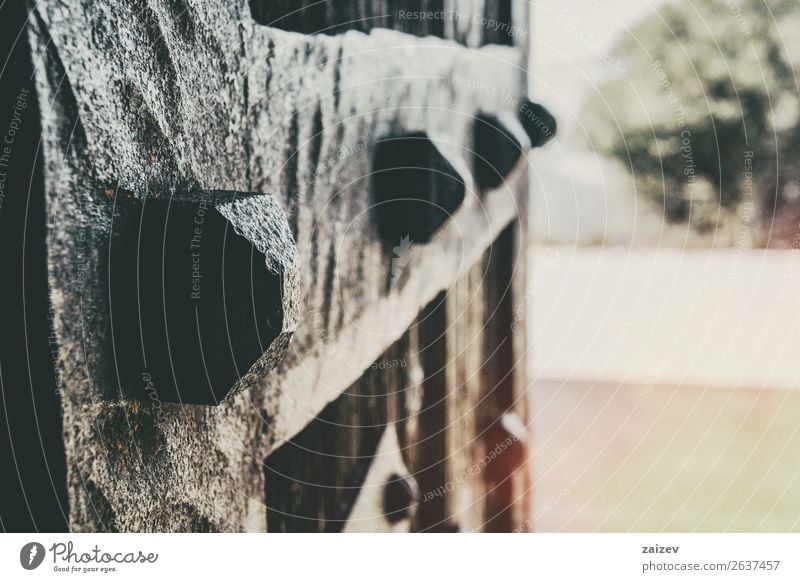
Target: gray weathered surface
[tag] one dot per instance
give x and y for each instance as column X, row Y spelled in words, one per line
column 166, row 99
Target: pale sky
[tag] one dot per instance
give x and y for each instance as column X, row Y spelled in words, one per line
column 604, row 21
column 572, row 40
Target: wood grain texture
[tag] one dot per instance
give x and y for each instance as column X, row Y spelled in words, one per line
column 168, row 100
column 446, row 385
column 472, row 23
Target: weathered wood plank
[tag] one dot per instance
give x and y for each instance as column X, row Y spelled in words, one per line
column 210, row 101
column 451, row 385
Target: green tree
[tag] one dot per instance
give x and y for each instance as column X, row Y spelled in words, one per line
column 712, row 92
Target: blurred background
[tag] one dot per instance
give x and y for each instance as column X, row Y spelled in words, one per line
column 666, row 224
